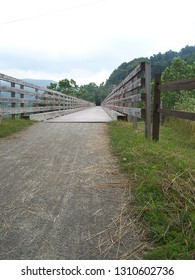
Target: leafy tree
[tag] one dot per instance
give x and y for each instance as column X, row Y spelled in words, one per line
column 178, row 70
column 160, row 62
column 187, row 51
column 89, row 92
column 190, row 59
column 67, row 87
column 53, row 86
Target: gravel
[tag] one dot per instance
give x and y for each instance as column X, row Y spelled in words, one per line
column 60, row 188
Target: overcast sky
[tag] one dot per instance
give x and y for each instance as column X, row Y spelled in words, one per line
column 87, row 39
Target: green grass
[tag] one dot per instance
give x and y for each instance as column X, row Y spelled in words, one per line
column 9, row 126
column 163, row 178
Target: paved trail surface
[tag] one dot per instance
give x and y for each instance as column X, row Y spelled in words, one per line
column 60, row 188
column 90, row 115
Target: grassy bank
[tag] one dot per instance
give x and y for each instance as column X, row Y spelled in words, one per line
column 9, row 126
column 162, row 176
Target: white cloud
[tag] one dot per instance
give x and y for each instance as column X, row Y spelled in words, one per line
column 80, row 75
column 88, row 39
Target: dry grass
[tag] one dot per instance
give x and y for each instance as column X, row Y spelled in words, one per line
column 123, row 236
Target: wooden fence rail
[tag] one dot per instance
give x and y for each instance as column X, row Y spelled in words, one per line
column 135, row 87
column 18, row 97
column 187, row 84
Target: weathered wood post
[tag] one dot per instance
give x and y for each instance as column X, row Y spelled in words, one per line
column 67, row 103
column 156, row 108
column 148, row 100
column 22, row 101
column 47, row 100
column 13, row 104
column 36, row 99
column 134, row 105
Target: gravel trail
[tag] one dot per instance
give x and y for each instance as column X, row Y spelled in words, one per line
column 60, row 189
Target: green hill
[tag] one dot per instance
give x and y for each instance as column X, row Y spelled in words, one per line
column 159, row 62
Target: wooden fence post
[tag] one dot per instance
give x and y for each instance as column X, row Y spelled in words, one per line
column 156, row 112
column 22, row 102
column 148, row 101
column 13, row 104
column 134, row 104
column 36, row 98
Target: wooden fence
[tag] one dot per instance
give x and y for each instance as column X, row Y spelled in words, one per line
column 188, row 84
column 135, row 87
column 18, row 97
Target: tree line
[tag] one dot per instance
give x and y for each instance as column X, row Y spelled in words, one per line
column 90, row 92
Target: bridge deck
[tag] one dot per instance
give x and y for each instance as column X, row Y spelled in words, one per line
column 94, row 115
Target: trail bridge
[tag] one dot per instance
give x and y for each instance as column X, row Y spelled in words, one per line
column 62, row 195
column 61, row 192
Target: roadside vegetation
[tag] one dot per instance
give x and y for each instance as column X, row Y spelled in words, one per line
column 162, row 178
column 162, row 174
column 9, row 126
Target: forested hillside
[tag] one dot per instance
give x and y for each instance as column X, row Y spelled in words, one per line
column 159, row 62
column 93, row 93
